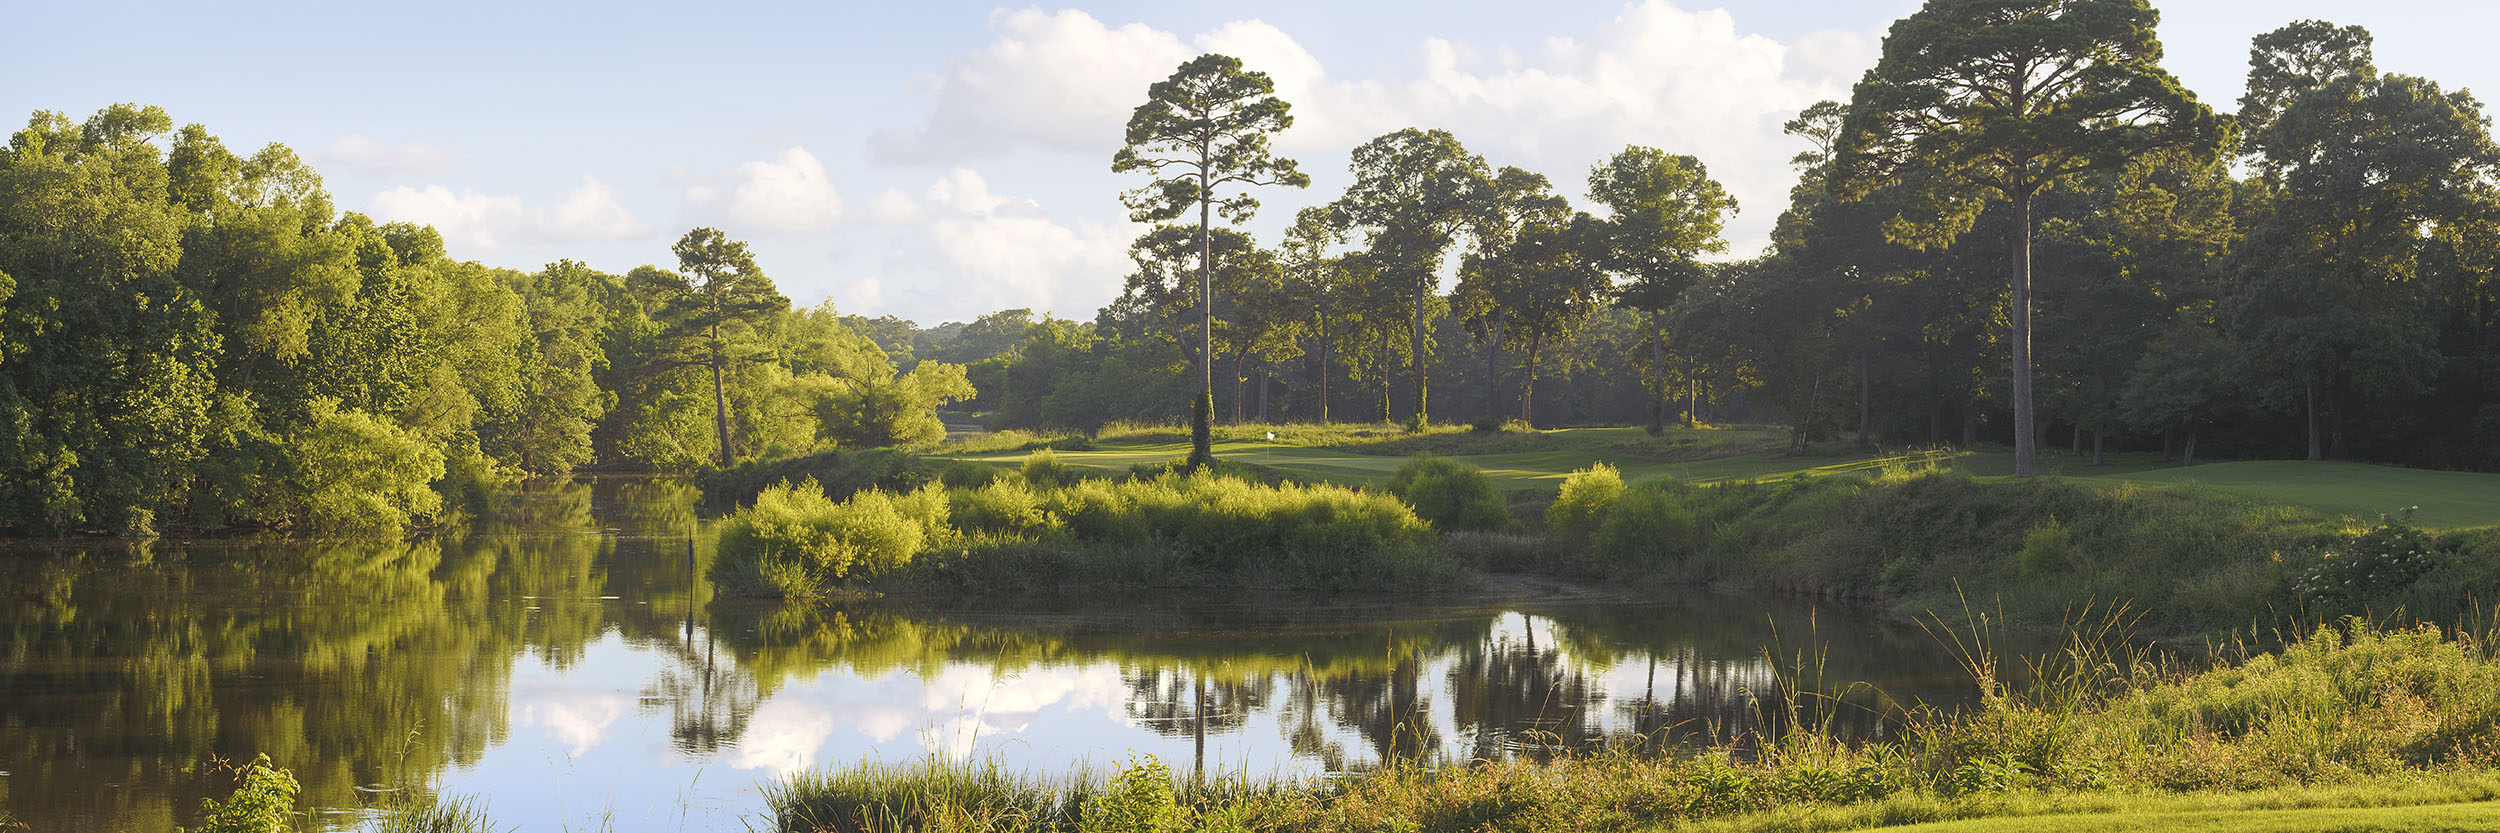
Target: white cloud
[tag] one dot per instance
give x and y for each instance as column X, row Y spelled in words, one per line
column 974, row 252
column 789, row 194
column 471, row 221
column 891, row 207
column 1688, row 82
column 1062, row 80
column 368, row 155
column 579, row 719
column 782, row 736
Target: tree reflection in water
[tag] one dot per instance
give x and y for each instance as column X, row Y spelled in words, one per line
column 388, row 664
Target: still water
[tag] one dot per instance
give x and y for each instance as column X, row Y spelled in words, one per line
column 562, row 661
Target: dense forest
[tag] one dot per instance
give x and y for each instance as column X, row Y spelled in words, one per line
column 198, row 338
column 2312, row 278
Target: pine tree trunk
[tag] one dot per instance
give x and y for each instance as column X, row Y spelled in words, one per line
column 1493, row 359
column 720, row 400
column 1422, row 365
column 1863, row 408
column 1202, row 412
column 1238, row 380
column 1324, row 369
column 2026, row 449
column 2310, row 396
column 1527, row 390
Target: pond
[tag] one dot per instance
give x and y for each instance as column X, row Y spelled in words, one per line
column 562, row 661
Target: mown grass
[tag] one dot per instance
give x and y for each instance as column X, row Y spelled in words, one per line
column 2348, row 723
column 1522, row 460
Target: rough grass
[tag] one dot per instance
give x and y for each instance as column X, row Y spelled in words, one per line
column 2387, row 729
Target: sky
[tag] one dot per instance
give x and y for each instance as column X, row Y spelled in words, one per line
column 938, row 161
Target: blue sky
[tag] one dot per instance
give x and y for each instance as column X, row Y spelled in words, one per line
column 938, row 161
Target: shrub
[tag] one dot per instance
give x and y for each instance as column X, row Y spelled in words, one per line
column 1452, row 495
column 1138, row 800
column 261, row 804
column 795, row 539
column 965, row 474
column 1646, row 524
column 1581, row 507
column 2372, row 569
column 1004, row 507
column 1043, row 469
column 2047, row 549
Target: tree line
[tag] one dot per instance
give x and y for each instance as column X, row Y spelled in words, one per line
column 2018, row 211
column 195, row 337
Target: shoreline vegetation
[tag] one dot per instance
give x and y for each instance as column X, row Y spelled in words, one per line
column 1913, row 535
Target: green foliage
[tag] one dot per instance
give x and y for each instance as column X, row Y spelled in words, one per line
column 1043, row 470
column 1452, row 495
column 1178, row 528
column 2368, row 572
column 794, row 541
column 263, row 803
column 2047, row 548
column 840, row 473
column 1138, row 800
column 892, row 413
column 1004, row 507
column 1588, row 496
column 354, row 471
column 1646, row 526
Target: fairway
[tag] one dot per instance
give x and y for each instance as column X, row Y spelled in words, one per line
column 2356, row 491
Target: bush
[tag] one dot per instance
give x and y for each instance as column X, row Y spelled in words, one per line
column 1004, row 507
column 1043, row 470
column 1452, row 495
column 261, row 804
column 1582, row 505
column 2047, row 549
column 965, row 474
column 1138, row 800
column 2370, row 570
column 795, row 540
column 1646, row 525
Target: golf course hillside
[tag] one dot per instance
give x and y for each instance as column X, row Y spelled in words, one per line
column 1522, row 460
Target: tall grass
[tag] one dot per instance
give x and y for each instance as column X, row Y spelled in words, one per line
column 2347, row 715
column 1048, row 529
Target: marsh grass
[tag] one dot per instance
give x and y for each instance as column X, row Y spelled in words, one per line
column 2347, row 716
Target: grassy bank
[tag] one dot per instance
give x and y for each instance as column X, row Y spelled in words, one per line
column 2351, row 725
column 1046, row 527
column 2189, row 560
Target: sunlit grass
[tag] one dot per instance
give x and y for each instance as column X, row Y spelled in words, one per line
column 1356, row 454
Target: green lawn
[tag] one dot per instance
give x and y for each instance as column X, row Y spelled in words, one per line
column 1365, row 454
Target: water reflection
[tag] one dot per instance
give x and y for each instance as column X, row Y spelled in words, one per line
column 561, row 658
